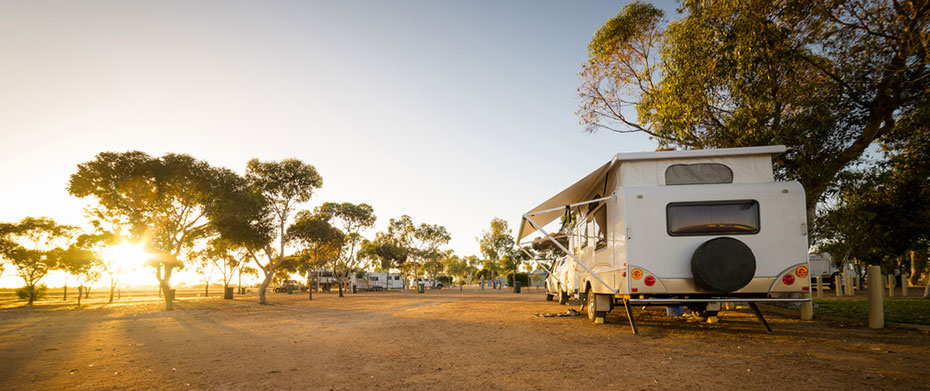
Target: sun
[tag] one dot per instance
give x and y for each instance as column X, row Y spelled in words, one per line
column 127, row 254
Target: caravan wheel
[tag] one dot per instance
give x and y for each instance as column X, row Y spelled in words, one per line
column 589, row 304
column 549, row 296
column 563, row 296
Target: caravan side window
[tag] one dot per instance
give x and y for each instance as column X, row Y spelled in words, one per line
column 584, row 235
column 600, row 227
column 713, row 218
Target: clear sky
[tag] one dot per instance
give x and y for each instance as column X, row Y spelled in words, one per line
column 450, row 112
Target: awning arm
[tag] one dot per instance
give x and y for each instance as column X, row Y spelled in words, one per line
column 561, row 247
column 567, row 206
column 538, row 263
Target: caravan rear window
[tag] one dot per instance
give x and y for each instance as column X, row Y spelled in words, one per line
column 713, row 218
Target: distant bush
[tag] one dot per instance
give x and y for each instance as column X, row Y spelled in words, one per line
column 445, row 280
column 523, row 278
column 23, row 293
column 483, row 273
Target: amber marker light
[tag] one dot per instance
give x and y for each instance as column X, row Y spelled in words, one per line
column 801, row 271
column 637, row 274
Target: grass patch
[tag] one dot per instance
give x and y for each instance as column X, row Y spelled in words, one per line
column 915, row 311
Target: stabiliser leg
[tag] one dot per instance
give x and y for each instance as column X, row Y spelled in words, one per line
column 755, row 308
column 629, row 314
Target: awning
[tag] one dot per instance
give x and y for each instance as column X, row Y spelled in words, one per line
column 573, row 194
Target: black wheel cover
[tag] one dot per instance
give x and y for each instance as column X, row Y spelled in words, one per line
column 723, row 265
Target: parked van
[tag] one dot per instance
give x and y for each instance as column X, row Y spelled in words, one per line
column 563, row 281
column 377, row 281
column 693, row 228
column 822, row 264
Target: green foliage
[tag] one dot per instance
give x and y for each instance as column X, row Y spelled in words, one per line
column 445, row 280
column 496, row 242
column 523, row 278
column 171, row 201
column 33, row 246
column 825, row 78
column 39, row 292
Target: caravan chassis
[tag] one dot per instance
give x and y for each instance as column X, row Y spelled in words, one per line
column 629, row 300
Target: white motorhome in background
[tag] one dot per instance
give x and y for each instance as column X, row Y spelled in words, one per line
column 380, row 281
column 822, row 264
column 693, row 228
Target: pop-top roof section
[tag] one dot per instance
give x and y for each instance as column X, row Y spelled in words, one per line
column 702, row 153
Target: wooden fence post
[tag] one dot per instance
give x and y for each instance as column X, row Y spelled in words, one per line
column 820, row 287
column 876, row 301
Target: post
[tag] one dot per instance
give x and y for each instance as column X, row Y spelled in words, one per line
column 807, row 308
column 890, row 285
column 876, row 301
column 850, row 290
column 904, row 284
column 838, row 284
column 820, row 287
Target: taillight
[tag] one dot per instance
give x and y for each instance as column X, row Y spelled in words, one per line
column 650, row 280
column 788, row 279
column 636, row 274
column 801, row 271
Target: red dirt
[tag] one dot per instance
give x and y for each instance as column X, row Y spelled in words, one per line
column 444, row 339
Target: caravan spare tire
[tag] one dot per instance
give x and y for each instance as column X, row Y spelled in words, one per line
column 723, row 265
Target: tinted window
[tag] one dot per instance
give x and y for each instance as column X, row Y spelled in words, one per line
column 713, row 218
column 701, row 173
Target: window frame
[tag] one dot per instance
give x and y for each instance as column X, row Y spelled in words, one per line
column 668, row 217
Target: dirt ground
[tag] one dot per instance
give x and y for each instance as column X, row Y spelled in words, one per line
column 476, row 340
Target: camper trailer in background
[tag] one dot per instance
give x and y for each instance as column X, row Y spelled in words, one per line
column 822, row 265
column 377, row 281
column 693, row 228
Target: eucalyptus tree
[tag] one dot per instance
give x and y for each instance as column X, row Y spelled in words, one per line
column 424, row 246
column 495, row 243
column 283, row 185
column 167, row 202
column 226, row 257
column 95, row 243
column 83, row 263
column 351, row 219
column 321, row 243
column 826, row 78
column 34, row 247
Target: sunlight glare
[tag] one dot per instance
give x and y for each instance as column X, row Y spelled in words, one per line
column 127, row 254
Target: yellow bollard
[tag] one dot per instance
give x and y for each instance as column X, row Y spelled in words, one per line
column 820, row 287
column 904, row 284
column 876, row 301
column 807, row 308
column 838, row 284
column 890, row 286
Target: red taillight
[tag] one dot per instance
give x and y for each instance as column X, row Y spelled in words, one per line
column 635, row 290
column 650, row 280
column 788, row 279
column 805, row 289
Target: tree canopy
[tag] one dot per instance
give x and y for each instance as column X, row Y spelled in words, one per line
column 826, row 78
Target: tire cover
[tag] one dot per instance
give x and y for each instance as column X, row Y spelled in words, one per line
column 723, row 265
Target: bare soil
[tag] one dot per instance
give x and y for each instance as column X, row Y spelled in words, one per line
column 446, row 339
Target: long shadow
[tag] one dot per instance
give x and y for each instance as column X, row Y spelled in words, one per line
column 18, row 356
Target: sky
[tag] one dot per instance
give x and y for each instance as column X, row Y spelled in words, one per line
column 451, row 112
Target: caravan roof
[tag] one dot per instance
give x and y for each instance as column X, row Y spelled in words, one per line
column 749, row 164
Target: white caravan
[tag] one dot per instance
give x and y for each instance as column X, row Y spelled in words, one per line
column 380, row 281
column 692, row 228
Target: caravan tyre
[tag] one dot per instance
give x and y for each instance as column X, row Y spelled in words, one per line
column 723, row 265
column 563, row 296
column 589, row 305
column 549, row 297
